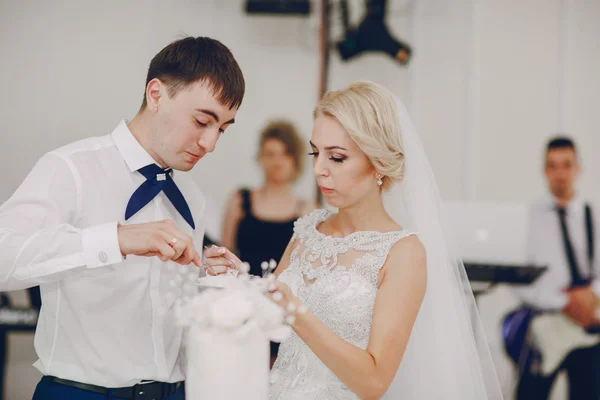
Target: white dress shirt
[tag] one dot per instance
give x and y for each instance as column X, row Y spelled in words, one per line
column 104, row 320
column 545, row 247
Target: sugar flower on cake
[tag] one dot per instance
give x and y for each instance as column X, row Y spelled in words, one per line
column 231, row 303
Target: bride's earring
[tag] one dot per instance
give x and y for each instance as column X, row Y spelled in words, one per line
column 379, row 180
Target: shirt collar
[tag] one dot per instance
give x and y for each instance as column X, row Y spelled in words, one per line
column 131, row 150
column 574, row 206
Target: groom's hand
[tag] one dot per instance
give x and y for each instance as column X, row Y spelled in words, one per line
column 161, row 239
column 220, row 259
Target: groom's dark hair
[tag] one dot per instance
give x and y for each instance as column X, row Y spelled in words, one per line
column 191, row 60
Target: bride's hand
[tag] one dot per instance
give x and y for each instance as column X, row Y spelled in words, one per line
column 282, row 295
column 220, row 260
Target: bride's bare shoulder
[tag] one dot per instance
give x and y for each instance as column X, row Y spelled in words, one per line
column 410, row 243
column 407, row 255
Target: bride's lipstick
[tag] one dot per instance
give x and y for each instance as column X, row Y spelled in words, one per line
column 325, row 190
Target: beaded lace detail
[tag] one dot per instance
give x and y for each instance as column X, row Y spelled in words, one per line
column 336, row 278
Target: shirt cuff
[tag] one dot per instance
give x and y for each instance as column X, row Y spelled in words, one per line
column 596, row 287
column 560, row 301
column 101, row 245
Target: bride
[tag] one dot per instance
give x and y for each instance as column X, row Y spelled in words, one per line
column 390, row 313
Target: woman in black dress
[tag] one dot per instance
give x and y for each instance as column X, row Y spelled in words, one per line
column 259, row 222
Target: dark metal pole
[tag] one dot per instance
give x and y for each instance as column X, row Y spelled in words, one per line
column 324, row 54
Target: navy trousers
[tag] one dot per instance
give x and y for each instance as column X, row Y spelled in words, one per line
column 49, row 390
column 583, row 372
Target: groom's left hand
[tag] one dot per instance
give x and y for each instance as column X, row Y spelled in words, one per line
column 220, row 260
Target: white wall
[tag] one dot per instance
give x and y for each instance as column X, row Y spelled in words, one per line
column 490, row 81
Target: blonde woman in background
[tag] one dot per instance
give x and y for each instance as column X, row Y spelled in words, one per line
column 259, row 222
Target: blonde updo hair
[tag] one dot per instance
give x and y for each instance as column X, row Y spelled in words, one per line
column 369, row 113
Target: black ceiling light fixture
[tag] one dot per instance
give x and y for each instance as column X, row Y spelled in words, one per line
column 279, row 7
column 371, row 35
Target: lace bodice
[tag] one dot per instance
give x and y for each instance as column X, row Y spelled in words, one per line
column 336, row 278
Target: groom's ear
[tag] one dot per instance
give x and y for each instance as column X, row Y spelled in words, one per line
column 154, row 90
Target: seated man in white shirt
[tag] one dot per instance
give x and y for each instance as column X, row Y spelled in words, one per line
column 562, row 238
column 99, row 225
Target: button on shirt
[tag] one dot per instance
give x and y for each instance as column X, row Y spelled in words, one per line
column 545, row 247
column 105, row 320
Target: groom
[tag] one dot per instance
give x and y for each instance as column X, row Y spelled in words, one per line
column 98, row 225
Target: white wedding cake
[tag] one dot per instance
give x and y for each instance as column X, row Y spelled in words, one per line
column 229, row 324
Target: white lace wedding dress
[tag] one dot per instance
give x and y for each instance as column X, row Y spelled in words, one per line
column 336, row 278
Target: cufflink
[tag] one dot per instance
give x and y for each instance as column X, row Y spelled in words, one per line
column 161, row 177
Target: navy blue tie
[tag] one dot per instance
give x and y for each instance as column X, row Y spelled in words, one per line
column 158, row 180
